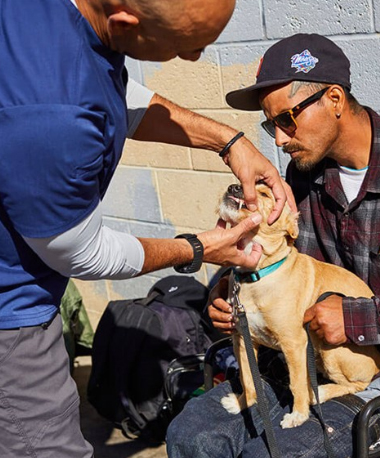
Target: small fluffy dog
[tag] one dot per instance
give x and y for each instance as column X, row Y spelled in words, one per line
column 275, row 307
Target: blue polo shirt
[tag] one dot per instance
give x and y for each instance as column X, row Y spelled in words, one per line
column 63, row 123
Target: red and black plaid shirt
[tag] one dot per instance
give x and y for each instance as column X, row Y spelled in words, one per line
column 343, row 234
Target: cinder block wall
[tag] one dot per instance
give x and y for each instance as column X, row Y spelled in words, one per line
column 160, row 191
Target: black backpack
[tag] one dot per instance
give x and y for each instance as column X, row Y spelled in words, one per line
column 134, row 381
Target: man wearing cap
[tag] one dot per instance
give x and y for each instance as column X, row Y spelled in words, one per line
column 63, row 123
column 303, row 87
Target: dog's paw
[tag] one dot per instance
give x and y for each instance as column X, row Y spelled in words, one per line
column 321, row 395
column 293, row 419
column 231, row 404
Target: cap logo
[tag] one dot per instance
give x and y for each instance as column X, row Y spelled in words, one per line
column 304, row 62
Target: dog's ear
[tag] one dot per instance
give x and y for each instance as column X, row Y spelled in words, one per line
column 292, row 224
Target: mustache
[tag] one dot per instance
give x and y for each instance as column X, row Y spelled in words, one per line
column 292, row 148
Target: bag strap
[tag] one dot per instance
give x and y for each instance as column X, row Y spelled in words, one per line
column 147, row 300
column 312, row 369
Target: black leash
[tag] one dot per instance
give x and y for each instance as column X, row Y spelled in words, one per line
column 312, row 370
column 262, row 402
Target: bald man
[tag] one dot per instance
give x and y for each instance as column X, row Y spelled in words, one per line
column 64, row 121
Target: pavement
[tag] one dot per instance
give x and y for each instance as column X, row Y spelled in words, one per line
column 108, row 442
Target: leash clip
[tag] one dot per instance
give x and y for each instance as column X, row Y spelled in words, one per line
column 238, row 307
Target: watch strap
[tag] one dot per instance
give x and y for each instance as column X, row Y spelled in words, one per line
column 196, row 263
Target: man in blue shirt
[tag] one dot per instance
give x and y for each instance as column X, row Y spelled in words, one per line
column 63, row 123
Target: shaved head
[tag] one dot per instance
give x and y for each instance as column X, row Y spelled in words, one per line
column 166, row 10
column 198, row 12
column 158, row 30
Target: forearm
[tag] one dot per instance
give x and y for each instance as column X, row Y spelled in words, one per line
column 221, row 246
column 91, row 251
column 166, row 122
column 164, row 253
column 361, row 320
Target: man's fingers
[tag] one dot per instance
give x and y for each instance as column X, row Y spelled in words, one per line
column 223, row 321
column 220, row 313
column 282, row 193
column 220, row 310
column 277, row 209
column 250, row 196
column 290, row 197
column 309, row 315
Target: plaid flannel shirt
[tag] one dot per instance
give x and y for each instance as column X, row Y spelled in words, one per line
column 343, row 234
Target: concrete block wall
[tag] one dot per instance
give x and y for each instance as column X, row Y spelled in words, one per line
column 159, row 190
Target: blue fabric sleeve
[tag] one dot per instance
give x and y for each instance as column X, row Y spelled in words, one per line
column 51, row 163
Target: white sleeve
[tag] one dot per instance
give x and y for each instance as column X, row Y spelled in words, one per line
column 138, row 99
column 91, row 251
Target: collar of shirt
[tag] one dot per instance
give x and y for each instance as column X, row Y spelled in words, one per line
column 327, row 173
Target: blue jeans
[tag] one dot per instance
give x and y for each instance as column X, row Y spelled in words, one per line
column 204, row 429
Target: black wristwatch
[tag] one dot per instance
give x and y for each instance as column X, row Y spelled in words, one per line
column 196, row 263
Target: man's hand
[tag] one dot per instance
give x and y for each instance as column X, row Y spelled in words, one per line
column 224, row 247
column 250, row 166
column 227, row 247
column 327, row 321
column 219, row 310
column 166, row 122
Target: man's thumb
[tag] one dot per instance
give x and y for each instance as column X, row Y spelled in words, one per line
column 255, row 255
column 247, row 225
column 251, row 222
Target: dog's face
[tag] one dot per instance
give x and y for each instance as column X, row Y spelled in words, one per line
column 282, row 232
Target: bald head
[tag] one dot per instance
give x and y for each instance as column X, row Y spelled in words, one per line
column 162, row 29
column 198, row 10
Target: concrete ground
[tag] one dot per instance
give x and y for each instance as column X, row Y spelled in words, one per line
column 107, row 441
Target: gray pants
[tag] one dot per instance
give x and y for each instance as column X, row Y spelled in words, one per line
column 39, row 402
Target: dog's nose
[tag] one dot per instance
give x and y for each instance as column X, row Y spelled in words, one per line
column 235, row 190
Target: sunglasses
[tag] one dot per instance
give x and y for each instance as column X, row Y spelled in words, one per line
column 286, row 121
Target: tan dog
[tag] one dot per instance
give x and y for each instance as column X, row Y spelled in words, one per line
column 275, row 307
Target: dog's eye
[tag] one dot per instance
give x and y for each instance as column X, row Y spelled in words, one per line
column 263, row 194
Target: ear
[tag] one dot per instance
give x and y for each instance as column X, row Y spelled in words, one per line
column 292, row 225
column 121, row 21
column 337, row 97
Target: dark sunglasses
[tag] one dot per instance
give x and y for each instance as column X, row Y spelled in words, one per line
column 286, row 121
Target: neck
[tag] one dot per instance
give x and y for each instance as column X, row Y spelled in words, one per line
column 94, row 12
column 354, row 142
column 273, row 252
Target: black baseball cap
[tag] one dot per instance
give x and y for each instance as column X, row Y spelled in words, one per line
column 301, row 57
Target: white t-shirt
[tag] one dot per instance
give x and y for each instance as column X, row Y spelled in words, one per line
column 351, row 180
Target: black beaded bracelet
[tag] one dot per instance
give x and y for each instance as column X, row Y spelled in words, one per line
column 230, row 143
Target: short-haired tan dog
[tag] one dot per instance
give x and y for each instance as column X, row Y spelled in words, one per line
column 275, row 307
